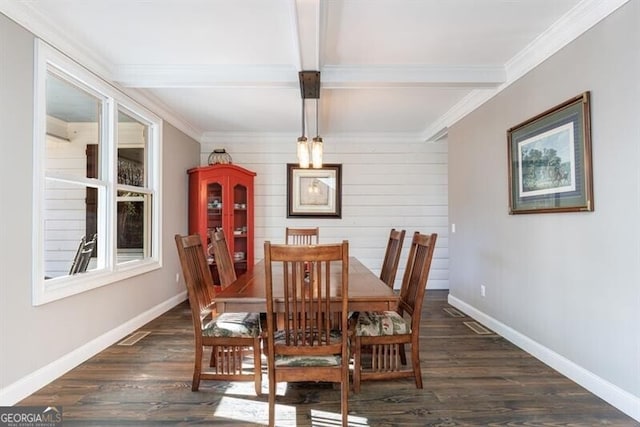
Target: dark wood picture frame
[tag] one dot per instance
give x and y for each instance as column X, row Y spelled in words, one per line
column 314, row 192
column 550, row 168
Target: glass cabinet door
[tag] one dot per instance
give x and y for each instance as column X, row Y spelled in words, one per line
column 214, row 210
column 240, row 223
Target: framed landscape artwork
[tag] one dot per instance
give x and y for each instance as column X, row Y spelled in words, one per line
column 314, row 192
column 550, row 160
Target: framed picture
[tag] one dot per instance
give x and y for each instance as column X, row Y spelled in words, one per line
column 314, row 193
column 550, row 160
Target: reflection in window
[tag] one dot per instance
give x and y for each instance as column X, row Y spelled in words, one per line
column 132, row 144
column 132, row 225
column 133, row 203
column 71, row 187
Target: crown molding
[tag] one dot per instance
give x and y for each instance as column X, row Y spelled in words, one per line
column 466, row 105
column 569, row 27
column 41, row 27
column 158, row 107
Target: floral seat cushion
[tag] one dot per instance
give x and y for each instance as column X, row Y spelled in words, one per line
column 297, row 360
column 377, row 323
column 233, row 325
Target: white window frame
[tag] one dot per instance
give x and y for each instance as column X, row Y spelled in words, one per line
column 44, row 291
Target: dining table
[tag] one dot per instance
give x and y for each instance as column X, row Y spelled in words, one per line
column 248, row 292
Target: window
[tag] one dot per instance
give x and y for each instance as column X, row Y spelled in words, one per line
column 134, row 197
column 96, row 181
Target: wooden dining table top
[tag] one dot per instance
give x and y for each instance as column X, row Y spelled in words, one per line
column 248, row 293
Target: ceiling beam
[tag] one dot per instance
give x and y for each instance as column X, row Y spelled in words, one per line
column 308, row 29
column 333, row 77
column 408, row 76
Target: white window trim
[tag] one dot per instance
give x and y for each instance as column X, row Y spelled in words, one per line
column 44, row 291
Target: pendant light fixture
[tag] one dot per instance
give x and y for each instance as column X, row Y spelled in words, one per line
column 309, row 153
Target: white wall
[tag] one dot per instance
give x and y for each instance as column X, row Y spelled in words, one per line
column 386, row 183
column 39, row 343
column 564, row 286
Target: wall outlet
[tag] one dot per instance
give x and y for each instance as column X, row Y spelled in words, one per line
column 453, row 228
column 177, row 277
column 483, row 290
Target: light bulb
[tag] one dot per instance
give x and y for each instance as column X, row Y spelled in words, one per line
column 303, row 152
column 316, row 152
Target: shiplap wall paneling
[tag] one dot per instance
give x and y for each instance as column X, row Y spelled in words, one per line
column 385, row 184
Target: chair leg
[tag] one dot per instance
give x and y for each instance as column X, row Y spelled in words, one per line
column 403, row 355
column 344, row 397
column 357, row 364
column 197, row 368
column 214, row 359
column 272, row 401
column 271, row 379
column 415, row 360
column 257, row 366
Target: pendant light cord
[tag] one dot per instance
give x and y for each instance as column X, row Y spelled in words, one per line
column 303, row 127
column 317, row 133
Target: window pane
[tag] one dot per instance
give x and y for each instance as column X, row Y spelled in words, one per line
column 132, row 145
column 72, row 149
column 72, row 124
column 66, row 220
column 133, row 226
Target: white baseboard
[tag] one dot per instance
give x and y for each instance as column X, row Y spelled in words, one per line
column 614, row 395
column 31, row 383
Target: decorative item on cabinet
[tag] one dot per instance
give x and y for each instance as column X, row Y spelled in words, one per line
column 219, row 156
column 221, row 197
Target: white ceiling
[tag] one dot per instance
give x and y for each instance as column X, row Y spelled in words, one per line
column 389, row 67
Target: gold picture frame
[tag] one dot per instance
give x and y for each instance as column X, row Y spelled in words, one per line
column 550, row 168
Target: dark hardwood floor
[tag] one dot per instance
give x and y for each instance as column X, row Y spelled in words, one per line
column 469, row 380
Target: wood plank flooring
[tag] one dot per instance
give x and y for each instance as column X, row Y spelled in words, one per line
column 469, row 380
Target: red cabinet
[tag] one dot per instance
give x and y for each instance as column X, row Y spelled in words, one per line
column 221, row 196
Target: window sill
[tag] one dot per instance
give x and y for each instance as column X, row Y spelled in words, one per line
column 46, row 291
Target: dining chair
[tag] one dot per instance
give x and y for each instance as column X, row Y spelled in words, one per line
column 313, row 344
column 230, row 335
column 392, row 257
column 387, row 332
column 302, row 236
column 83, row 255
column 222, row 258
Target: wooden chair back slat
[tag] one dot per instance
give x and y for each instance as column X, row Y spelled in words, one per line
column 302, row 236
column 392, row 257
column 222, row 258
column 197, row 276
column 416, row 274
